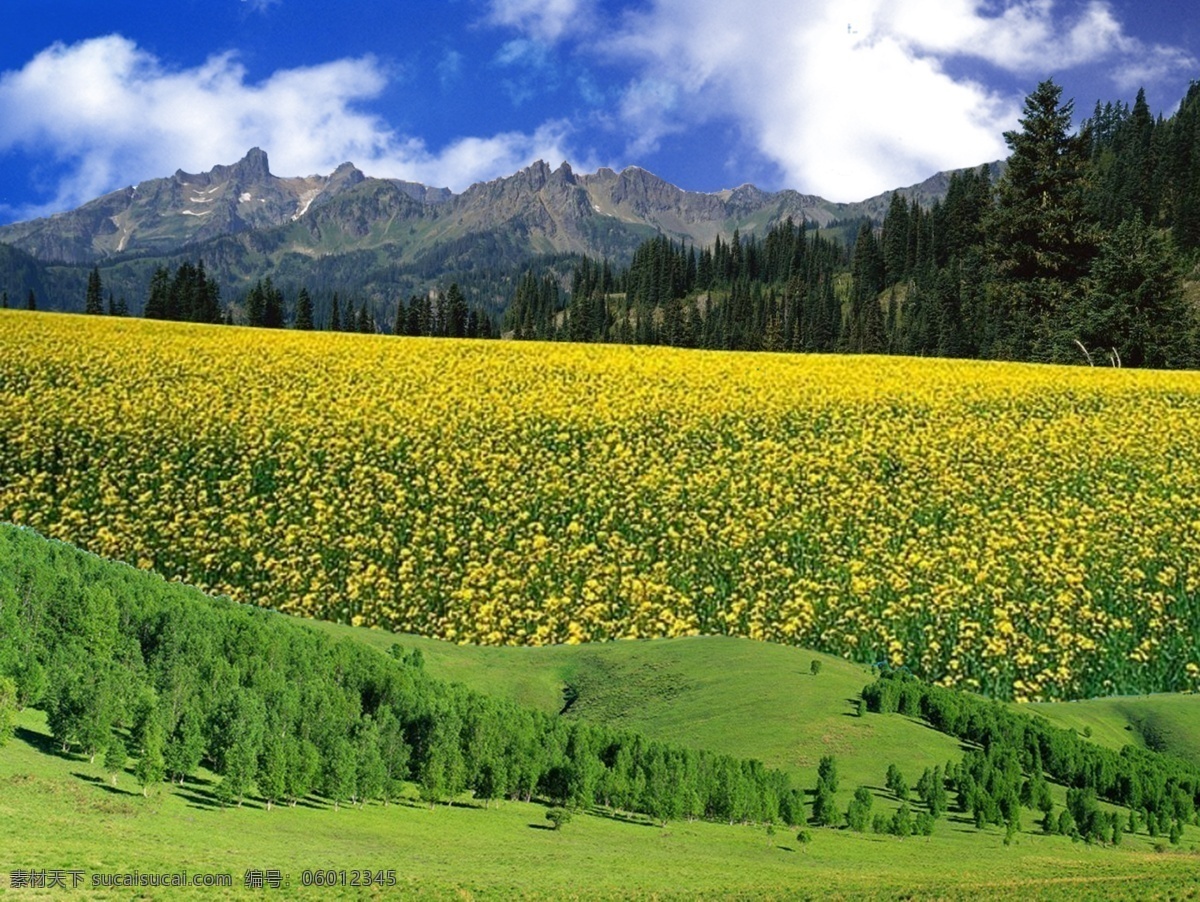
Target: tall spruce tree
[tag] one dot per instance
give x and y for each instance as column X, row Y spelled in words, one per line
column 272, row 305
column 456, row 312
column 1134, row 305
column 304, row 310
column 1038, row 237
column 158, row 298
column 94, row 300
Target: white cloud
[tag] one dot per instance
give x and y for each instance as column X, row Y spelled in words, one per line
column 545, row 20
column 108, row 113
column 851, row 97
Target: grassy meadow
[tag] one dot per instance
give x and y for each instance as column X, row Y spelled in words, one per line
column 61, row 812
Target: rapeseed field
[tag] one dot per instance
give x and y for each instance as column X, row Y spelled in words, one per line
column 1027, row 531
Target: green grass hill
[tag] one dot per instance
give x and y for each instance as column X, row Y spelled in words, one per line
column 60, row 811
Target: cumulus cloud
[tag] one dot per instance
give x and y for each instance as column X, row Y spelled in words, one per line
column 108, row 112
column 851, row 97
column 546, row 20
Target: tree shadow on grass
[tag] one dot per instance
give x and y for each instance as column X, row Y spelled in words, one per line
column 101, row 783
column 541, row 827
column 307, row 803
column 42, row 742
column 623, row 818
column 196, row 799
column 854, row 709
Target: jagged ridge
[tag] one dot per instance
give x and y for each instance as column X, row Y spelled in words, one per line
column 557, row 210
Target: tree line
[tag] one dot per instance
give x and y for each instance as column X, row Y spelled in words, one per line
column 191, row 295
column 1075, row 253
column 129, row 666
column 1015, row 756
column 774, row 293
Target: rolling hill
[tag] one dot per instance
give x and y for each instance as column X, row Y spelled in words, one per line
column 63, row 815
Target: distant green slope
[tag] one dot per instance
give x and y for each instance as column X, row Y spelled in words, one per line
column 759, row 699
column 1165, row 723
column 737, row 696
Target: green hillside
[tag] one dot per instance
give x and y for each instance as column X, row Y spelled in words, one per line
column 60, row 810
column 757, row 698
column 738, row 696
column 1165, row 723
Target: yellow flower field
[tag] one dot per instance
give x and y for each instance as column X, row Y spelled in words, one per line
column 1028, row 531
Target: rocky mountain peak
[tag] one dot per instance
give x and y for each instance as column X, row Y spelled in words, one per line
column 346, row 175
column 254, row 165
column 253, row 168
column 564, row 173
column 542, row 210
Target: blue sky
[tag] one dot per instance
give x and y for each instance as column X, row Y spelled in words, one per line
column 841, row 98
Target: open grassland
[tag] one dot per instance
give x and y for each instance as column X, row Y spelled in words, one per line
column 1165, row 723
column 61, row 812
column 735, row 696
column 761, row 700
column 1027, row 531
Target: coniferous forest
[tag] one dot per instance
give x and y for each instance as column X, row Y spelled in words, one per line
column 1077, row 252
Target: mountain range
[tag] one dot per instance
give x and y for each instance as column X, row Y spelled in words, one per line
column 380, row 237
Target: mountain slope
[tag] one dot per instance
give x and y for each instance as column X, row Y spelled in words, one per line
column 167, row 213
column 247, row 223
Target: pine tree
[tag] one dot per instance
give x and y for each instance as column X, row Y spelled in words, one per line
column 1133, row 301
column 866, row 334
column 335, row 315
column 1039, row 240
column 304, row 310
column 412, row 318
column 158, row 298
column 94, row 301
column 31, row 301
column 456, row 312
column 272, row 305
column 256, row 305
